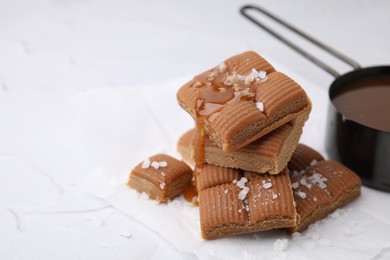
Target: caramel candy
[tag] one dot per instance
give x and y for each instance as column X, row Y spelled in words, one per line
column 320, row 189
column 241, row 100
column 161, row 176
column 236, row 202
column 269, row 153
column 303, row 157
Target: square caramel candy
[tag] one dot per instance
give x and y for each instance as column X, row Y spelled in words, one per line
column 269, row 153
column 161, row 176
column 235, row 202
column 241, row 100
column 319, row 186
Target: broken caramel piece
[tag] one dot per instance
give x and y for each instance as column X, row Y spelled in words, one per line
column 161, row 176
column 242, row 99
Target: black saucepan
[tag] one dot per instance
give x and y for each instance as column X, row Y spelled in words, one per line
column 359, row 141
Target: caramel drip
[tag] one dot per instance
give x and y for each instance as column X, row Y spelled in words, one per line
column 190, row 194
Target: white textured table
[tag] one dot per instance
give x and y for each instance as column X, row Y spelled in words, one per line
column 87, row 90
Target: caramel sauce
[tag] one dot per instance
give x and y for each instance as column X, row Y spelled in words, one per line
column 190, row 194
column 366, row 101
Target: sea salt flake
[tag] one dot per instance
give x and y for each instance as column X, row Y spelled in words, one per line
column 254, row 73
column 318, row 180
column 163, row 164
column 274, row 196
column 155, row 165
column 241, row 183
column 304, row 182
column 145, row 164
column 249, row 79
column 230, row 80
column 211, row 75
column 243, row 193
column 302, row 194
column 295, row 185
column 162, row 185
column 222, row 67
column 262, row 74
column 247, row 208
column 267, row 185
column 313, row 163
column 260, row 106
column 240, row 77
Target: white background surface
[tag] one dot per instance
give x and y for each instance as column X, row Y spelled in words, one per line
column 82, row 95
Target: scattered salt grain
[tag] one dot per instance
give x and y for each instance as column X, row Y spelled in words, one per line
column 244, row 190
column 318, row 180
column 280, row 245
column 163, row 164
column 226, row 191
column 222, row 67
column 315, row 199
column 267, row 185
column 243, row 193
column 241, row 183
column 249, row 79
column 260, row 106
column 155, row 165
column 314, row 162
column 262, row 74
column 162, row 185
column 234, row 181
column 274, row 196
column 163, row 174
column 229, row 80
column 302, row 194
column 145, row 164
column 295, row 185
column 304, row 182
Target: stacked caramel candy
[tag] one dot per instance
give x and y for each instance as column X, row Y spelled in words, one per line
column 248, row 121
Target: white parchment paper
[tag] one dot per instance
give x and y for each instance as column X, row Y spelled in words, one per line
column 124, row 125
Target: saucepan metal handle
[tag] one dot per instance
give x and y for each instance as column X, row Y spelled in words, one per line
column 298, row 49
